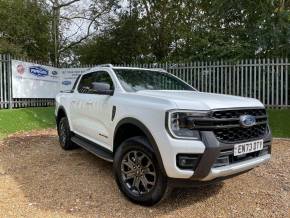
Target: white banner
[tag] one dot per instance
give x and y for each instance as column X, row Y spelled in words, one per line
column 34, row 81
column 69, row 76
column 31, row 80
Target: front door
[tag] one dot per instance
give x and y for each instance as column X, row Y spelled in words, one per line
column 94, row 110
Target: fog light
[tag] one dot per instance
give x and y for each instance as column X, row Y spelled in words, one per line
column 187, row 161
column 266, row 150
column 222, row 161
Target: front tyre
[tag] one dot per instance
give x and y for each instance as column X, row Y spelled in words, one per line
column 137, row 172
column 64, row 134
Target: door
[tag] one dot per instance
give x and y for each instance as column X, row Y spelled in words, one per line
column 78, row 103
column 94, row 110
column 74, row 106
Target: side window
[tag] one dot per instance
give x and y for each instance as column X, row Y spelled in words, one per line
column 85, row 84
column 104, row 77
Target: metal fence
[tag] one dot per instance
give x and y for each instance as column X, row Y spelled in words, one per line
column 6, row 97
column 5, row 81
column 265, row 79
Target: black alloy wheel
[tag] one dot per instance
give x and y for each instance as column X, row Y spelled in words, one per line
column 64, row 134
column 137, row 172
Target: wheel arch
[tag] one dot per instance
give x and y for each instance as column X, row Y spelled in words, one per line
column 61, row 112
column 138, row 124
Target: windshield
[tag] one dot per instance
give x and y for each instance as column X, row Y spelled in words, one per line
column 133, row 80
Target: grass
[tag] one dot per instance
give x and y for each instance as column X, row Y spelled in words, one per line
column 280, row 122
column 16, row 120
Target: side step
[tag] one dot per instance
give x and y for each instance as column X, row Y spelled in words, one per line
column 93, row 148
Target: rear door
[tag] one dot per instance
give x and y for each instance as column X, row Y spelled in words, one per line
column 78, row 103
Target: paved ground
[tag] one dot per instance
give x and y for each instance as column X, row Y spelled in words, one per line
column 38, row 179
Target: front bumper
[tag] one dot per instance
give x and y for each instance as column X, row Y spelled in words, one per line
column 236, row 168
column 220, row 174
column 205, row 169
column 209, row 149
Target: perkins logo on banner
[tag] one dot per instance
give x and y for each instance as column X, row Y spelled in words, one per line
column 38, row 71
column 66, row 83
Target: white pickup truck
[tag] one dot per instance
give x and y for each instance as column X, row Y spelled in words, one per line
column 159, row 131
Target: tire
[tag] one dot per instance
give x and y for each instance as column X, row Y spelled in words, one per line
column 137, row 172
column 64, row 134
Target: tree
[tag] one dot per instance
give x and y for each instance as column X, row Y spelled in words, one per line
column 68, row 15
column 249, row 29
column 24, row 29
column 103, row 31
column 124, row 40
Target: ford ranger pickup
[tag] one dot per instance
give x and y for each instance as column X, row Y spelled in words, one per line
column 159, row 131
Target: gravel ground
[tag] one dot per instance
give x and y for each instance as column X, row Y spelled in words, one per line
column 39, row 179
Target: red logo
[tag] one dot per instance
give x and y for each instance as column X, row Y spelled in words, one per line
column 20, row 69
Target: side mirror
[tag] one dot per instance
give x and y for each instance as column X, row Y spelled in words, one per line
column 102, row 88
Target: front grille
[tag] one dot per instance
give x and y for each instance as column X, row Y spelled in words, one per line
column 238, row 133
column 237, row 113
column 241, row 134
column 227, row 128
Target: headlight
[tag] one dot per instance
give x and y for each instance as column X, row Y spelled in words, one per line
column 180, row 123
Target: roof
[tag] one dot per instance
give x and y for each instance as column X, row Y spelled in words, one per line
column 121, row 67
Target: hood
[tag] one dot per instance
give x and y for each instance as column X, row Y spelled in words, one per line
column 202, row 100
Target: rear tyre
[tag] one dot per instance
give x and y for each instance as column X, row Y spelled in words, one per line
column 64, row 134
column 137, row 172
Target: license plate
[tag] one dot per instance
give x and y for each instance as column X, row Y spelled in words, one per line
column 248, row 147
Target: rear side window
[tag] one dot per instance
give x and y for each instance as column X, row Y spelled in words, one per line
column 85, row 84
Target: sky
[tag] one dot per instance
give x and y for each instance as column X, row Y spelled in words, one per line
column 78, row 27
